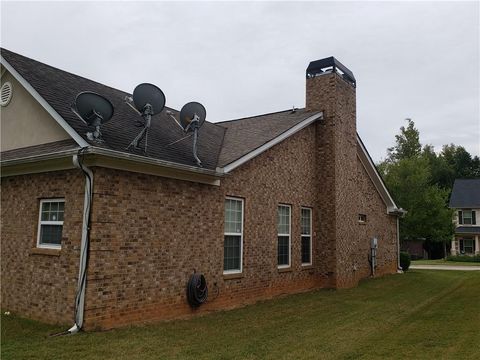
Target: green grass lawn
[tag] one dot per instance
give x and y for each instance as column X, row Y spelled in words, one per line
column 444, row 262
column 417, row 315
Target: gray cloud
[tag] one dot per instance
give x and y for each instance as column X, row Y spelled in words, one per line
column 411, row 59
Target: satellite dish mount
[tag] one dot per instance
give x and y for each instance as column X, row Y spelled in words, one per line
column 148, row 100
column 94, row 110
column 192, row 117
column 147, row 117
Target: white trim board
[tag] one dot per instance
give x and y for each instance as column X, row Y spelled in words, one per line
column 56, row 116
column 247, row 157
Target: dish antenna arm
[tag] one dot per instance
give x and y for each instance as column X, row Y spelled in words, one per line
column 195, row 137
column 147, row 116
column 195, row 125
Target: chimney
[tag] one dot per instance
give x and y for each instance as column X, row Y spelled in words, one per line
column 330, row 88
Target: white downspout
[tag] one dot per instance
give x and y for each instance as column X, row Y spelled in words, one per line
column 82, row 271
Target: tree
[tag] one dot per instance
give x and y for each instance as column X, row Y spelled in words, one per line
column 407, row 143
column 421, row 181
column 427, row 218
column 460, row 162
column 441, row 173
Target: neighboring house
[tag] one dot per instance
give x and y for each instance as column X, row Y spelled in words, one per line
column 285, row 202
column 465, row 200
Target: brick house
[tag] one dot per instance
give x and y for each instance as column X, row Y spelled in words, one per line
column 284, row 202
column 465, row 200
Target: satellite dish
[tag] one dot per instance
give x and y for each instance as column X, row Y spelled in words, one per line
column 148, row 94
column 94, row 110
column 148, row 100
column 192, row 116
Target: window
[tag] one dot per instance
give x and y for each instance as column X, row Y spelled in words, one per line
column 233, row 236
column 306, row 235
column 50, row 223
column 467, row 246
column 467, row 217
column 283, row 228
column 362, row 218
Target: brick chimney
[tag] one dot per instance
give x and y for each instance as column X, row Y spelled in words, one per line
column 331, row 88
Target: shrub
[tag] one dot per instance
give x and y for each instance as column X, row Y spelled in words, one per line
column 405, row 260
column 464, row 258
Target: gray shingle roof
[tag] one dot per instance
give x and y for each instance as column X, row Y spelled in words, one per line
column 37, row 150
column 247, row 134
column 59, row 88
column 219, row 143
column 467, row 230
column 465, row 194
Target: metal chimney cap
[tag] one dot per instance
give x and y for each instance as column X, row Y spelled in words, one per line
column 328, row 65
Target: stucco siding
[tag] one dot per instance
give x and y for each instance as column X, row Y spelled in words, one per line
column 24, row 122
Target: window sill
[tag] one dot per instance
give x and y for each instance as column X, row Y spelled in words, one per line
column 362, row 223
column 284, row 269
column 44, row 251
column 307, row 267
column 229, row 276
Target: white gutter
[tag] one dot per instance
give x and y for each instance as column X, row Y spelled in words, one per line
column 43, row 157
column 269, row 144
column 61, row 121
column 113, row 154
column 152, row 161
column 84, row 247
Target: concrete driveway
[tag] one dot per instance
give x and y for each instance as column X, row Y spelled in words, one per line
column 445, row 267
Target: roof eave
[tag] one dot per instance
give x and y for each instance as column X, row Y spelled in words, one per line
column 95, row 156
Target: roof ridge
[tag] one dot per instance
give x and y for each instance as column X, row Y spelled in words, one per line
column 254, row 116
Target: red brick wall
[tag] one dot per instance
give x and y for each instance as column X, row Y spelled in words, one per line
column 379, row 224
column 337, row 157
column 148, row 233
column 40, row 284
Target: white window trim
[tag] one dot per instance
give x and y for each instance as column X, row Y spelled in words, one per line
column 473, row 245
column 289, row 238
column 40, row 223
column 463, row 217
column 227, row 272
column 310, row 236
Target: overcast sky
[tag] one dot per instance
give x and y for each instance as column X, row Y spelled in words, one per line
column 411, row 59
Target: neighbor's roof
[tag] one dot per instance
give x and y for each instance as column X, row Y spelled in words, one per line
column 467, row 230
column 465, row 194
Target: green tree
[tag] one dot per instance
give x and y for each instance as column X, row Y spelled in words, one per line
column 460, row 162
column 409, row 181
column 407, row 143
column 421, row 181
column 441, row 173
